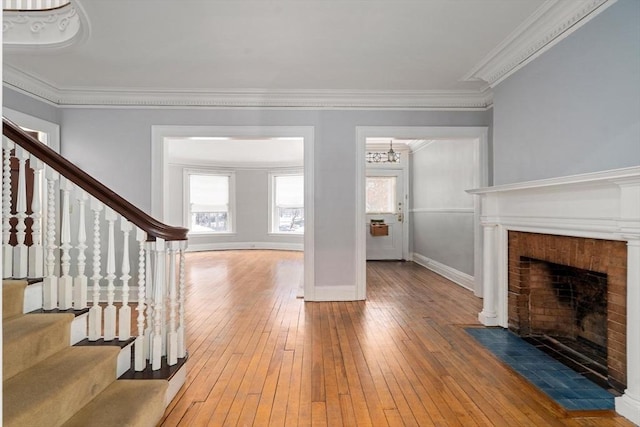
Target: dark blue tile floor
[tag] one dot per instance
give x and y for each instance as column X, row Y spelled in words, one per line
column 568, row 388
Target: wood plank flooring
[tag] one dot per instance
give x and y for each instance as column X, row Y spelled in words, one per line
column 260, row 356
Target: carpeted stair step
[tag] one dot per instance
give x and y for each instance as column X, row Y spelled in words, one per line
column 12, row 297
column 30, row 338
column 131, row 403
column 52, row 391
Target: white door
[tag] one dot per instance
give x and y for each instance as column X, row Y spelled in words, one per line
column 385, row 201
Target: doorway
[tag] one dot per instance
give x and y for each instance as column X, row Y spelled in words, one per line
column 385, row 206
column 414, row 135
column 162, row 181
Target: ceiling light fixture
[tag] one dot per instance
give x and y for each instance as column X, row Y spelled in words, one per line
column 392, row 156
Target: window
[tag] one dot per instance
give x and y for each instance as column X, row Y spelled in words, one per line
column 209, row 202
column 287, row 203
column 381, row 194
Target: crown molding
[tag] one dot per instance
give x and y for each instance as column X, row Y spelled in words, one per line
column 247, row 98
column 549, row 24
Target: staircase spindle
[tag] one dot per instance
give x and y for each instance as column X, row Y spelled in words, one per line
column 95, row 313
column 50, row 282
column 139, row 346
column 80, row 281
column 20, row 251
column 7, row 249
column 36, row 250
column 149, row 300
column 182, row 345
column 65, row 282
column 110, row 312
column 159, row 280
column 124, row 314
column 172, row 335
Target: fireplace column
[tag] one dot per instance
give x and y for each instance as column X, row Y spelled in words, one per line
column 488, row 316
column 628, row 404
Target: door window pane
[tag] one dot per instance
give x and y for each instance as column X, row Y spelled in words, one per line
column 288, row 204
column 209, row 203
column 381, row 194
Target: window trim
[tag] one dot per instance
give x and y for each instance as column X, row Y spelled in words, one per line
column 271, row 208
column 186, row 192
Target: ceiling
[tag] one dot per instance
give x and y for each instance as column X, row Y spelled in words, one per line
column 236, row 152
column 309, row 53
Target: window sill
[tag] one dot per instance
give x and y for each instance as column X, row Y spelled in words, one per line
column 285, row 234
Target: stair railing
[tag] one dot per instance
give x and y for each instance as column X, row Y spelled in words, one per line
column 39, row 243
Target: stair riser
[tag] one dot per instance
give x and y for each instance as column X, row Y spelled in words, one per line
column 32, row 338
column 32, row 298
column 52, row 391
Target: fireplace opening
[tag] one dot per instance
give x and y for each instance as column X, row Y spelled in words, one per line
column 567, row 314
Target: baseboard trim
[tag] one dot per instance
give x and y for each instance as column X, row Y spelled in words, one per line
column 333, row 293
column 456, row 276
column 226, row 246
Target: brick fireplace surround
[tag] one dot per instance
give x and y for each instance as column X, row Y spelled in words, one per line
column 589, row 221
column 608, row 257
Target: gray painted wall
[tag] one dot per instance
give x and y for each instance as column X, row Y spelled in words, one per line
column 115, row 146
column 576, row 108
column 442, row 212
column 251, row 214
column 31, row 106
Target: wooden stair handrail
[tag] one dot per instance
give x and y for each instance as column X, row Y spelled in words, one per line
column 153, row 228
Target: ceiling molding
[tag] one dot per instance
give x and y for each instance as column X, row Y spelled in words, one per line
column 552, row 22
column 243, row 98
column 26, row 31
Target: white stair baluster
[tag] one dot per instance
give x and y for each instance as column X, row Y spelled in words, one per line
column 65, row 282
column 182, row 345
column 124, row 314
column 7, row 249
column 95, row 313
column 140, row 355
column 172, row 335
column 20, row 251
column 36, row 250
column 159, row 281
column 80, row 281
column 149, row 299
column 50, row 282
column 110, row 312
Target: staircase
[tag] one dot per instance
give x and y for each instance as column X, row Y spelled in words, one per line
column 67, row 338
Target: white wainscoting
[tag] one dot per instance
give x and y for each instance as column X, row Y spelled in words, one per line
column 456, row 276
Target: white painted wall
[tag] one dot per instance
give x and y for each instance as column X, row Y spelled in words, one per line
column 250, row 219
column 442, row 212
column 576, row 108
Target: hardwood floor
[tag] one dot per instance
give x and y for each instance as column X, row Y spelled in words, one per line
column 260, row 356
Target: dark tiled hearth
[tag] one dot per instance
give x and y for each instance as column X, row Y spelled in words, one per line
column 568, row 388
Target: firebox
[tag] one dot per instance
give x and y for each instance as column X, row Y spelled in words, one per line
column 570, row 292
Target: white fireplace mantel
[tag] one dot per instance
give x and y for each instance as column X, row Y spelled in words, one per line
column 601, row 205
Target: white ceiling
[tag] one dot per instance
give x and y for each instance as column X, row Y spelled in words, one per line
column 257, row 52
column 234, row 152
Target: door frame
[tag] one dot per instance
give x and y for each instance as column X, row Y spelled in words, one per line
column 481, row 157
column 159, row 175
column 403, row 172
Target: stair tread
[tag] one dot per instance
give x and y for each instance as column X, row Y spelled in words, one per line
column 29, row 339
column 12, row 297
column 132, row 403
column 51, row 391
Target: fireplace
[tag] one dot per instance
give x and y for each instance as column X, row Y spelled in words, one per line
column 571, row 290
column 568, row 227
